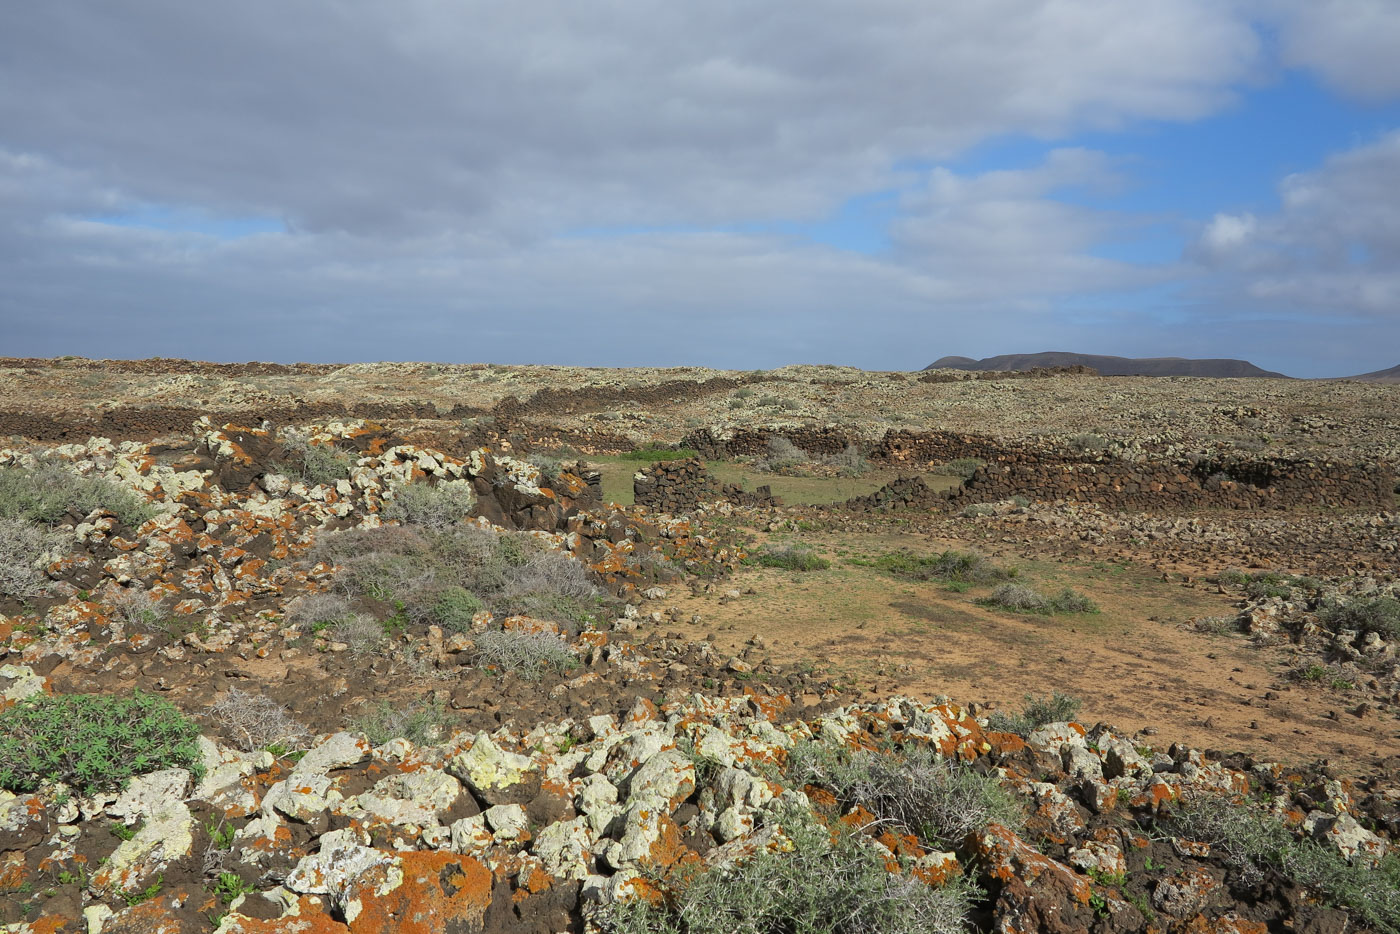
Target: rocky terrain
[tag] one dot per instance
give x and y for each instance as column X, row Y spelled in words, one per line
column 398, row 667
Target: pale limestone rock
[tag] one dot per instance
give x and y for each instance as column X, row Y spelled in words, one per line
column 507, row 822
column 486, row 767
column 565, row 848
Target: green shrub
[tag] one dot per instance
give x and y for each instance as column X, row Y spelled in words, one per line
column 963, row 467
column 962, row 566
column 23, row 548
column 978, row 510
column 790, row 558
column 1254, row 842
column 47, row 494
column 1037, row 712
column 94, row 742
column 654, row 454
column 421, row 723
column 940, row 800
column 436, row 506
column 454, row 608
column 317, row 464
column 839, row 886
column 1380, row 615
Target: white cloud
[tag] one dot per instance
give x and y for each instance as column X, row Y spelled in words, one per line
column 1332, row 248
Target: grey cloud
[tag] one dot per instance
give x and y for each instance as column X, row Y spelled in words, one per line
column 529, row 117
column 1332, row 247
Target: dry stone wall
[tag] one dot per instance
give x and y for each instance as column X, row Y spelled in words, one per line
column 1046, row 471
column 1264, row 484
column 681, row 485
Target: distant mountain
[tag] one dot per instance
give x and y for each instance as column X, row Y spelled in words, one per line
column 1114, row 366
column 1391, row 375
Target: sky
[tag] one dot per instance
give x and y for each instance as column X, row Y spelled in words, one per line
column 729, row 184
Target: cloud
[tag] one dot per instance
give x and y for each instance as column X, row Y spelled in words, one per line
column 1351, row 43
column 342, row 179
column 1332, row 247
column 528, row 118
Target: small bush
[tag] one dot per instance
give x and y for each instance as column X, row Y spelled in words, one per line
column 139, row 609
column 422, row 723
column 528, row 654
column 93, row 742
column 790, row 558
column 313, row 610
column 549, row 467
column 1017, row 597
column 255, row 721
column 963, row 467
column 48, row 494
column 454, row 608
column 939, row 800
column 362, row 633
column 1088, row 443
column 961, row 566
column 1072, row 601
column 849, row 463
column 317, row 464
column 23, row 548
column 833, row 886
column 978, row 510
column 1254, row 842
column 1037, row 712
column 1022, row 599
column 550, row 572
column 782, row 454
column 436, row 507
column 1380, row 615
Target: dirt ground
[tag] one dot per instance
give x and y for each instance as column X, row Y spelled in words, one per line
column 1135, row 664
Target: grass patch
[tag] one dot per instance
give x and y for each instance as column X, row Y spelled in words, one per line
column 789, row 558
column 93, row 742
column 652, row 455
column 950, row 566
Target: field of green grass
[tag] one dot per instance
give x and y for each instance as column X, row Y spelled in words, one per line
column 617, row 481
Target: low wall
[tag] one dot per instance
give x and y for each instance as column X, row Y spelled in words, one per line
column 681, row 485
column 1261, row 484
column 1044, row 470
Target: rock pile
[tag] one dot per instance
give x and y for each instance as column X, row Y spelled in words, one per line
column 547, row 828
column 680, row 486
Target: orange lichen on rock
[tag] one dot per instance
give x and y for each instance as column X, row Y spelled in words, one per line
column 439, row 891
